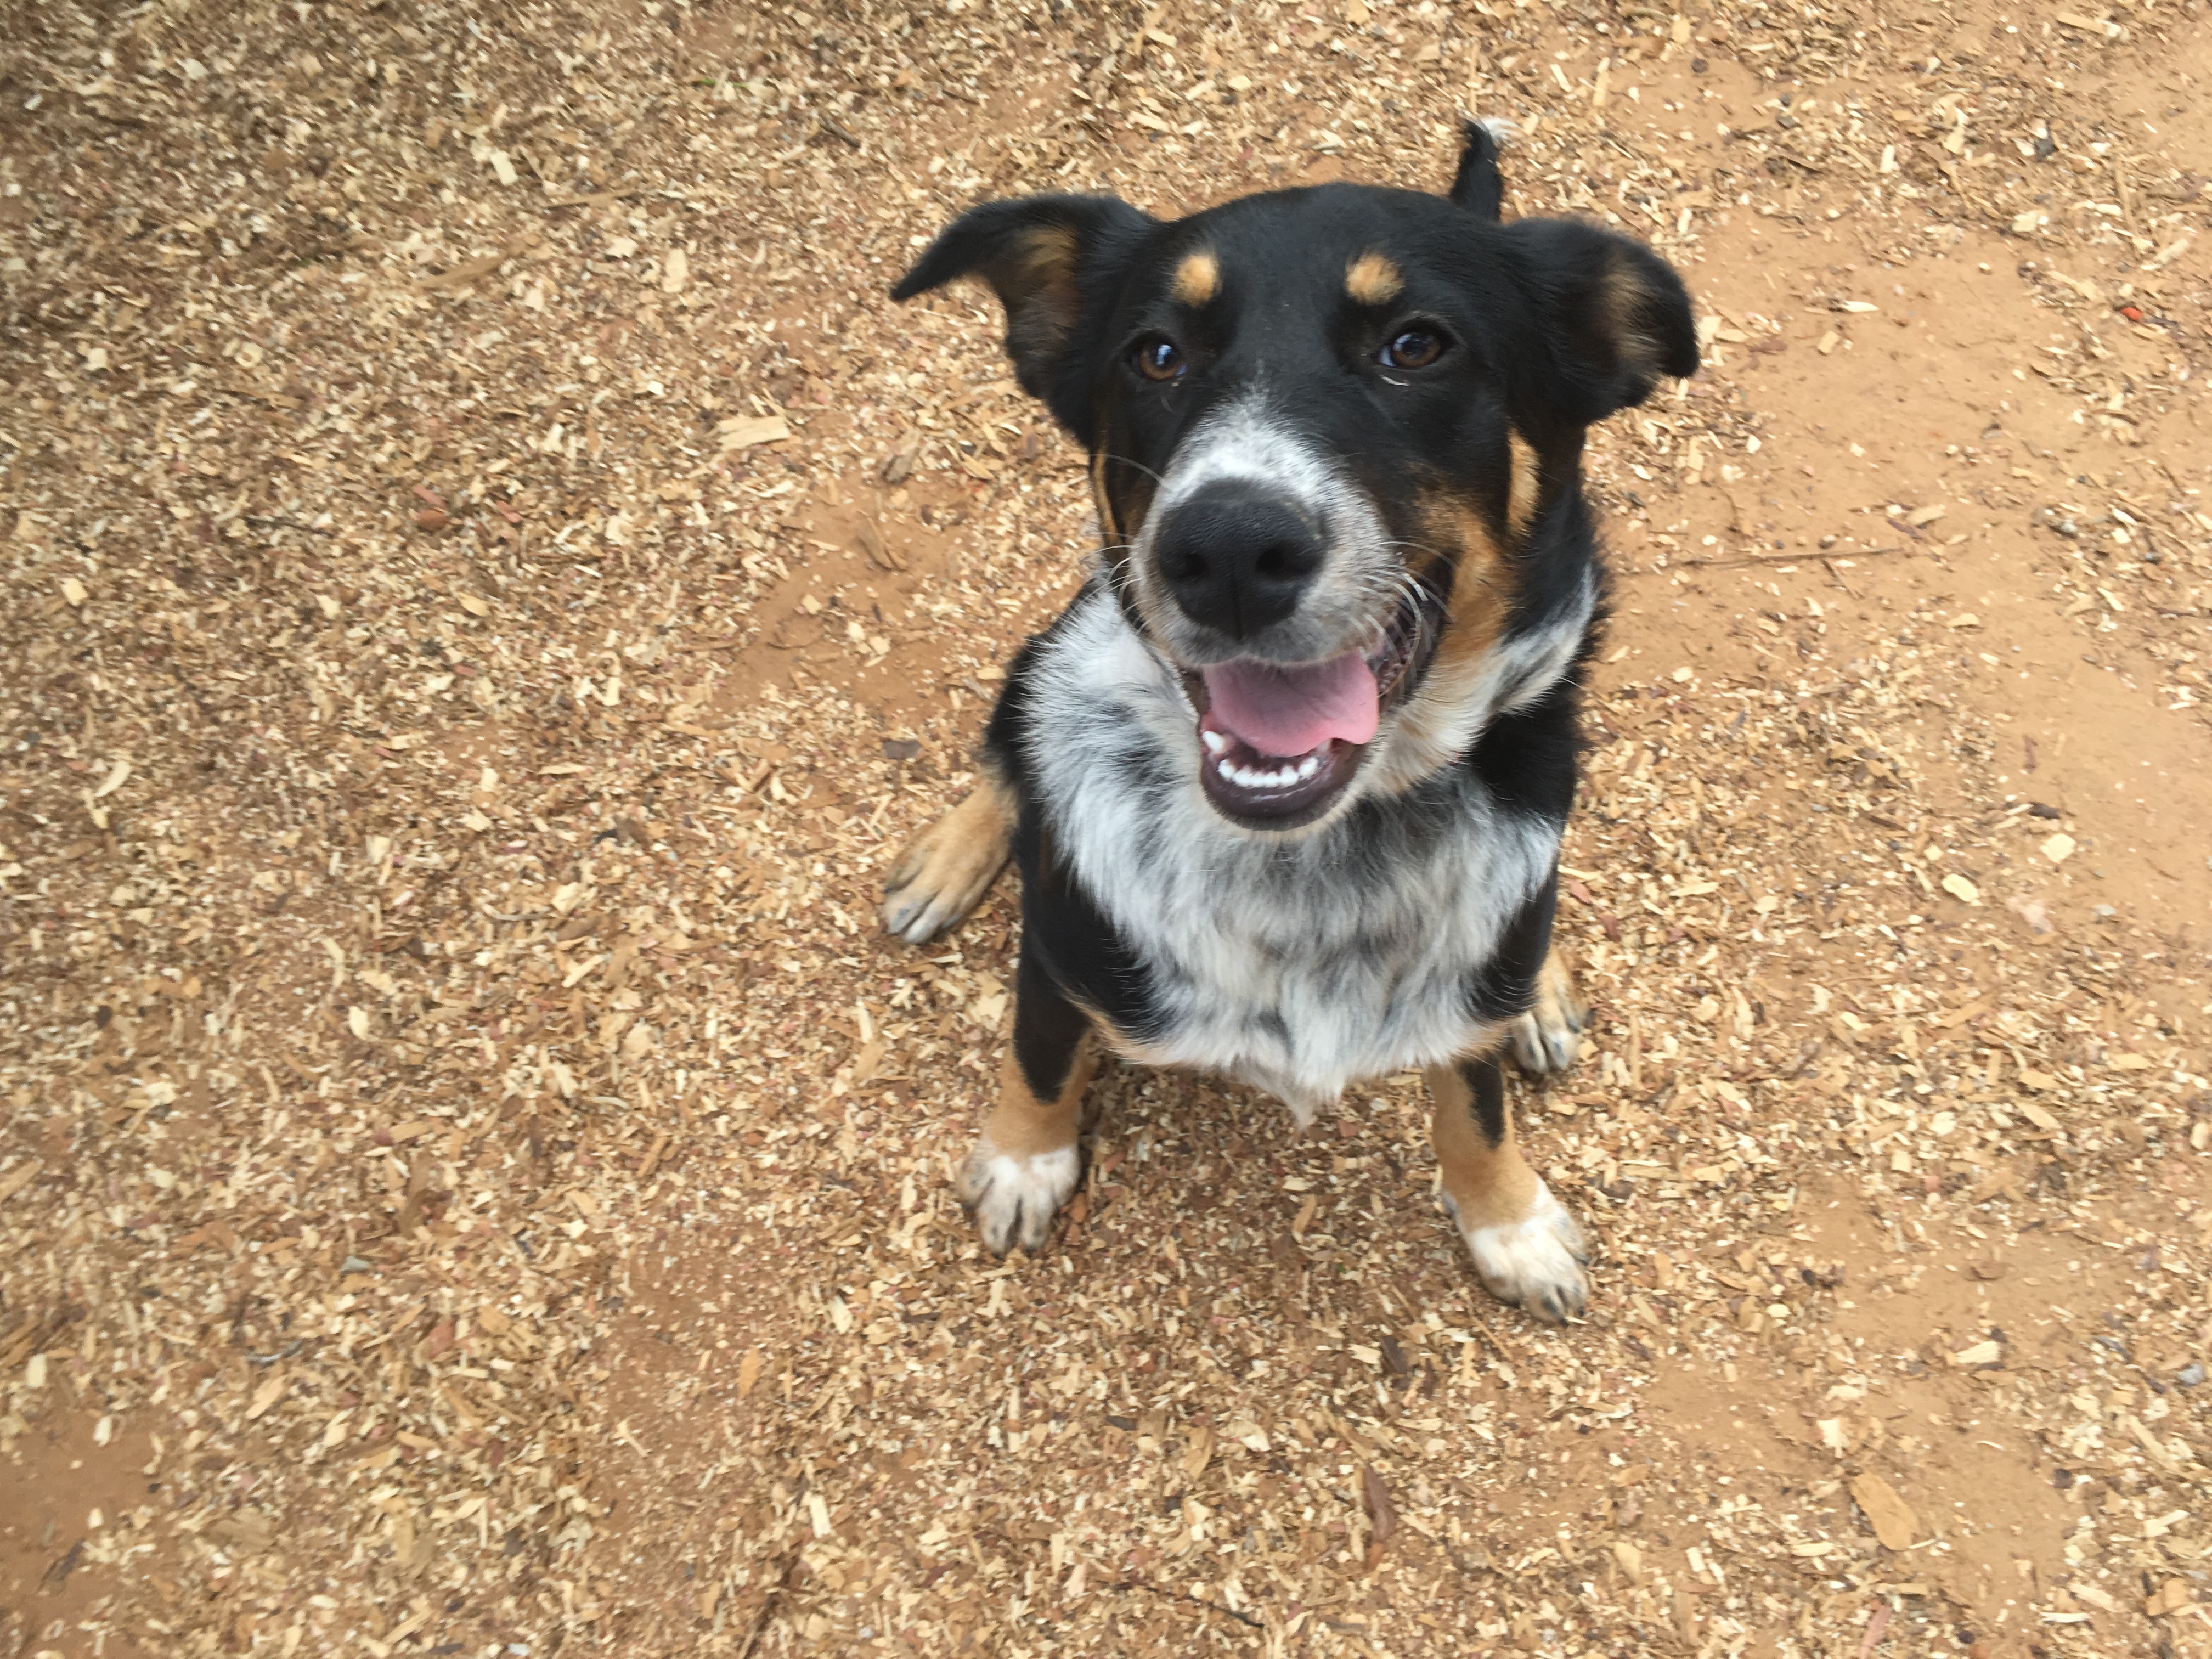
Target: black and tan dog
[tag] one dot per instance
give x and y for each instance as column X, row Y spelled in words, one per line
column 1286, row 781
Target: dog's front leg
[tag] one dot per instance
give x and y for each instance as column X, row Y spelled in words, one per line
column 1525, row 1245
column 1026, row 1162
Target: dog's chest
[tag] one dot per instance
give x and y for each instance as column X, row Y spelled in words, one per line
column 1299, row 966
column 1303, row 975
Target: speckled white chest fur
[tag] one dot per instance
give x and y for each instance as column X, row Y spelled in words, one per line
column 1300, row 963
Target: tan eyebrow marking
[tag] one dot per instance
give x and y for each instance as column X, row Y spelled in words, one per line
column 1197, row 279
column 1372, row 280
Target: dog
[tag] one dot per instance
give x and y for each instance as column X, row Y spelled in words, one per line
column 1286, row 782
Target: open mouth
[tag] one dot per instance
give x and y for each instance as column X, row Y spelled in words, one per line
column 1281, row 740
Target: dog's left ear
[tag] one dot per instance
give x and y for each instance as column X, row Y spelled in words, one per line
column 1046, row 258
column 1615, row 315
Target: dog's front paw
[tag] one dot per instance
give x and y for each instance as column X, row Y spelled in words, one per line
column 946, row 868
column 1536, row 1262
column 1549, row 1036
column 1014, row 1198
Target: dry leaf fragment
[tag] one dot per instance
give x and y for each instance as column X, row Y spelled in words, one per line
column 464, row 273
column 73, row 590
column 2039, row 1115
column 1962, row 890
column 1374, row 1497
column 675, row 272
column 749, row 1370
column 2172, row 1596
column 1984, row 1353
column 1200, row 1450
column 1893, row 1519
column 473, row 605
column 19, row 1177
column 880, row 552
column 742, row 432
column 266, row 1395
column 2058, row 848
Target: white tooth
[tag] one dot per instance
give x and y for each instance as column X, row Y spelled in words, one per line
column 1214, row 741
column 1308, row 767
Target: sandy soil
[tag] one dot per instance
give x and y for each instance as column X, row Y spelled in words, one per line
column 491, row 582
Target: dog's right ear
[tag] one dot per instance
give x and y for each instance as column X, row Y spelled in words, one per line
column 1477, row 186
column 1045, row 257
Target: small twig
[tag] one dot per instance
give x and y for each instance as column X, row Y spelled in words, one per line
column 597, row 198
column 1178, row 1596
column 1766, row 558
column 1489, row 1335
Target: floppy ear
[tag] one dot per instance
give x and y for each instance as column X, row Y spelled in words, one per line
column 1477, row 186
column 1614, row 316
column 1045, row 257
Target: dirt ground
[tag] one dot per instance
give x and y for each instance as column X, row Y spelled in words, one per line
column 491, row 582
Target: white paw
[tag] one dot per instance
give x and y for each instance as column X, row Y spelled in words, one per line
column 1014, row 1198
column 1547, row 1038
column 1535, row 1263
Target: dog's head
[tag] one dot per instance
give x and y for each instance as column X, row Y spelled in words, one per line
column 1324, row 426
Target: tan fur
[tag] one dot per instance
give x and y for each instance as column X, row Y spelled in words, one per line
column 1481, row 599
column 1491, row 1186
column 1023, row 1123
column 1108, row 521
column 1527, row 486
column 1625, row 299
column 1197, row 279
column 1556, row 1003
column 1372, row 280
column 950, row 865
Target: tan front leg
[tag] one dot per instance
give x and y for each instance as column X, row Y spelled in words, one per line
column 1549, row 1036
column 1525, row 1245
column 947, row 868
column 1027, row 1161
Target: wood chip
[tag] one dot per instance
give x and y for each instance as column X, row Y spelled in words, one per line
column 1891, row 1517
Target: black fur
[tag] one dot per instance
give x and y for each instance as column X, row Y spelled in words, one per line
column 1548, row 325
column 1485, row 1082
column 1477, row 186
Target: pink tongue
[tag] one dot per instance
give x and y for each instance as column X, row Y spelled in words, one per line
column 1282, row 711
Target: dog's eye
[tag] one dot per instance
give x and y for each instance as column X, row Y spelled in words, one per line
column 1158, row 360
column 1414, row 348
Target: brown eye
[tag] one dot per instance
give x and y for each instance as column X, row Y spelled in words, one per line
column 1158, row 360
column 1414, row 348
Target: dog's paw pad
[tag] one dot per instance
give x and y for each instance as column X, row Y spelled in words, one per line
column 1014, row 1198
column 1536, row 1262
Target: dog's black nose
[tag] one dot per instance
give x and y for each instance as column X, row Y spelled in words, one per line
column 1236, row 557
